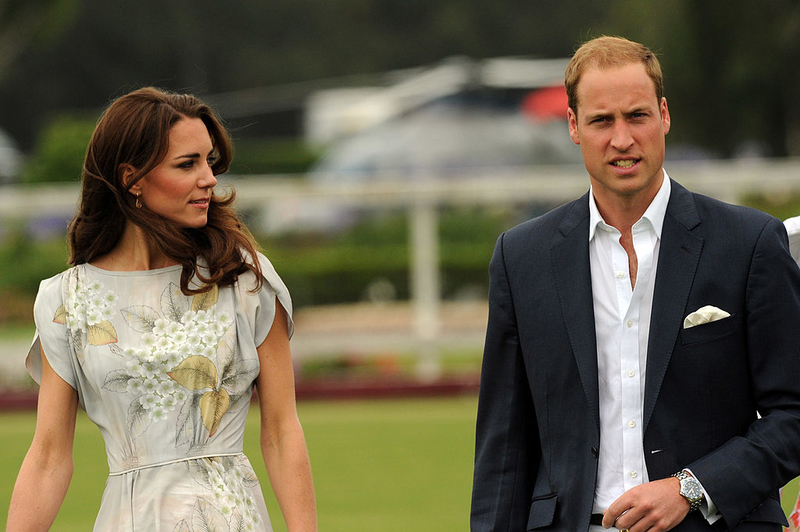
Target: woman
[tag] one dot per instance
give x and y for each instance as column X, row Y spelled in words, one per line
column 166, row 322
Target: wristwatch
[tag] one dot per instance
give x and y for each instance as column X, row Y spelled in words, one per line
column 690, row 489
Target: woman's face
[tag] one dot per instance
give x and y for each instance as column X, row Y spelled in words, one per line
column 180, row 187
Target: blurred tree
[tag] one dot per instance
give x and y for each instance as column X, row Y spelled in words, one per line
column 209, row 47
column 22, row 21
column 59, row 151
column 730, row 71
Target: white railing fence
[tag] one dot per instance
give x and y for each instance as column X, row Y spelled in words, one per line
column 421, row 198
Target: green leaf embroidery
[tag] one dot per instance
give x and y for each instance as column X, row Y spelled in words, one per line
column 182, row 526
column 185, row 427
column 138, row 420
column 117, row 381
column 102, row 333
column 237, row 377
column 75, row 339
column 238, row 523
column 206, row 518
column 116, row 350
column 195, row 373
column 198, row 470
column 249, row 477
column 207, row 300
column 61, row 316
column 173, row 303
column 214, row 405
column 141, row 318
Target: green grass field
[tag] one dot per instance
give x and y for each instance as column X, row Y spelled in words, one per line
column 389, row 465
column 394, row 465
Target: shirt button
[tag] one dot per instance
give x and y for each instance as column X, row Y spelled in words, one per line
column 620, row 274
column 633, row 474
column 630, row 373
column 632, row 423
column 629, row 323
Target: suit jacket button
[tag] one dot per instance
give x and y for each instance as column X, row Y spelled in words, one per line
column 594, row 451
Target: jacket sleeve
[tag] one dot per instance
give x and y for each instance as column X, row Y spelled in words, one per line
column 746, row 470
column 507, row 447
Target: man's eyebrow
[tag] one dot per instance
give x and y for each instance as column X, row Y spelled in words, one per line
column 598, row 114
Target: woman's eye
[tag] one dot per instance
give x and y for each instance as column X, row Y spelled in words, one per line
column 212, row 159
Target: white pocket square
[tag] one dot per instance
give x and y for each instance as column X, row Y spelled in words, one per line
column 703, row 315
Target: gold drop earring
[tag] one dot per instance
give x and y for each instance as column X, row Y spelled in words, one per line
column 138, row 201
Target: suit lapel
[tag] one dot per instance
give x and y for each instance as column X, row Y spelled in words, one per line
column 570, row 261
column 677, row 263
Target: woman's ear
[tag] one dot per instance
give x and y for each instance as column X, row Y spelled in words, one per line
column 126, row 173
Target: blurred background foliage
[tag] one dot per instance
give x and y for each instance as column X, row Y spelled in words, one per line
column 729, row 70
column 59, row 150
column 344, row 267
column 731, row 79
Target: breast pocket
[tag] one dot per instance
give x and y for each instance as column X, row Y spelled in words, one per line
column 709, row 331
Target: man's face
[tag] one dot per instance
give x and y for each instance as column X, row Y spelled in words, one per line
column 620, row 126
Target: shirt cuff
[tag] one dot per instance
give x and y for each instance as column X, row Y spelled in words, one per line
column 707, row 507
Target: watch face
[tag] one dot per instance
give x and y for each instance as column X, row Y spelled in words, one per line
column 691, row 489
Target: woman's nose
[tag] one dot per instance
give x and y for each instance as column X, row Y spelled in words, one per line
column 208, row 179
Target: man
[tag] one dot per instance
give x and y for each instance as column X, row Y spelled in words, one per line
column 793, row 230
column 639, row 332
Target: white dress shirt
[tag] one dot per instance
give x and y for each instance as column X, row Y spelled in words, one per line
column 622, row 328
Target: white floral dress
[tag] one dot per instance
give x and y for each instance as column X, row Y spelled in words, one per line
column 168, row 379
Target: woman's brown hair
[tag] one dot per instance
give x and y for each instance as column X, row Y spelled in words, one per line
column 134, row 131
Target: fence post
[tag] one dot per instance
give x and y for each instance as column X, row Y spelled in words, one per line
column 425, row 289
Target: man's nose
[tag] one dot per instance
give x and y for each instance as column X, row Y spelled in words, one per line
column 621, row 137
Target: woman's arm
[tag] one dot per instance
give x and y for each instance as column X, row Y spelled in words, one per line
column 47, row 468
column 282, row 441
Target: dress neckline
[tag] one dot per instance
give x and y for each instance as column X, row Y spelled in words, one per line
column 128, row 273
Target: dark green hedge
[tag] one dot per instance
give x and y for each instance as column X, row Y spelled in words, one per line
column 317, row 269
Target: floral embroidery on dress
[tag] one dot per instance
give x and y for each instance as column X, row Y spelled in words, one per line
column 169, row 379
column 186, row 360
column 232, row 507
column 176, row 367
column 86, row 312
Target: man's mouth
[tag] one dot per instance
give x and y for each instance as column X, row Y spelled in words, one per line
column 625, row 163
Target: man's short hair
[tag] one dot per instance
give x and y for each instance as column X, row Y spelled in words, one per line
column 610, row 52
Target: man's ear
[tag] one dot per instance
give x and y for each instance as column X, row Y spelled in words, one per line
column 572, row 122
column 666, row 121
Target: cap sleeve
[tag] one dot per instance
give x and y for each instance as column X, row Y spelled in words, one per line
column 259, row 307
column 51, row 334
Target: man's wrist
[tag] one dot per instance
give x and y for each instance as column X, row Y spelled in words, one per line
column 690, row 489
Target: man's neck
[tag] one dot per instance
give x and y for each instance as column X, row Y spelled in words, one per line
column 621, row 211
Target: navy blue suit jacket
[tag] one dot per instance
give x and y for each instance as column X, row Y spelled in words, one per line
column 538, row 420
